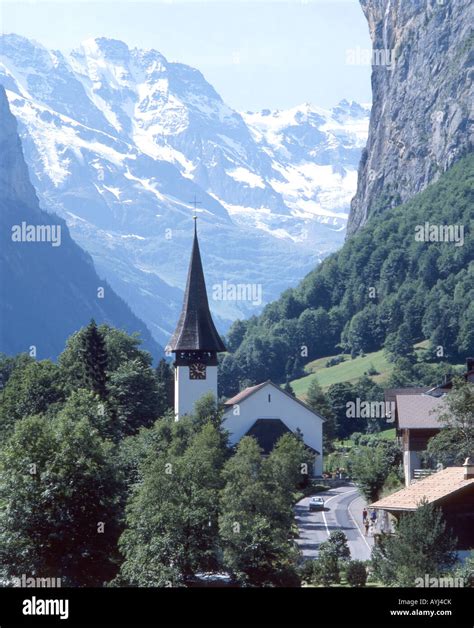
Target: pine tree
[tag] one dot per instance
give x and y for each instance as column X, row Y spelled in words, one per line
column 94, row 355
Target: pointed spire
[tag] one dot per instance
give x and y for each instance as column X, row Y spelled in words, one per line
column 195, row 330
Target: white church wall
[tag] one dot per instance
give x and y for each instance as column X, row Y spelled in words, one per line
column 280, row 406
column 188, row 391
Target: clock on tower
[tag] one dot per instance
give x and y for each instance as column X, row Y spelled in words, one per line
column 195, row 341
column 197, row 370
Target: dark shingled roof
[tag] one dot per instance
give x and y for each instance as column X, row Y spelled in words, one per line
column 195, row 330
column 267, row 432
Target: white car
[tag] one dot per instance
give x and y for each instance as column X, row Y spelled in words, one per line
column 316, row 503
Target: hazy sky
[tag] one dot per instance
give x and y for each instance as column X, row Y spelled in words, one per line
column 257, row 53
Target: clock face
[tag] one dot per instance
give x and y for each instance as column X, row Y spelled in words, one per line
column 197, row 371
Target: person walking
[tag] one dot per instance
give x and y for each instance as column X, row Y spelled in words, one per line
column 366, row 526
column 364, row 515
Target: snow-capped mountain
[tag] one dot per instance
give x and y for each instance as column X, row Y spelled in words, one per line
column 120, row 141
column 314, row 155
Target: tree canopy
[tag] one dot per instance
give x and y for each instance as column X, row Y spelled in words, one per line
column 384, row 287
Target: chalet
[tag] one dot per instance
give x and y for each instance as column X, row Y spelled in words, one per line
column 417, row 422
column 417, row 418
column 451, row 489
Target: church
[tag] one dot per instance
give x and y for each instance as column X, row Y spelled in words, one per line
column 264, row 411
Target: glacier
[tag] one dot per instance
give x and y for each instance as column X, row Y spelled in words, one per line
column 119, row 141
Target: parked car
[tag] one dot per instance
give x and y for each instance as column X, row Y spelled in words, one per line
column 316, row 503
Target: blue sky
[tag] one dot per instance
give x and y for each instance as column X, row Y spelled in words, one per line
column 257, row 53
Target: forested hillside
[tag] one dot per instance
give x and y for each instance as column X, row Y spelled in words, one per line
column 385, row 287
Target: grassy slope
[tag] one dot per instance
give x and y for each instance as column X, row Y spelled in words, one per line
column 347, row 371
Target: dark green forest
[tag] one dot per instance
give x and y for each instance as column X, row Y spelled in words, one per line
column 384, row 288
column 99, row 485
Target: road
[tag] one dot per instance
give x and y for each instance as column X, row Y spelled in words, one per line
column 343, row 511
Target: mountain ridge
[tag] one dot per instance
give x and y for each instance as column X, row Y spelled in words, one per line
column 49, row 288
column 127, row 194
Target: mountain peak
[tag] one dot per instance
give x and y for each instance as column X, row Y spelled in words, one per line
column 25, row 52
column 136, row 138
column 112, row 48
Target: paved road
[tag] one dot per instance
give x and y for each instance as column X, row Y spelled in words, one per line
column 343, row 511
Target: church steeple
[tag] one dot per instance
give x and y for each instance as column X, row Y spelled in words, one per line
column 196, row 330
column 195, row 341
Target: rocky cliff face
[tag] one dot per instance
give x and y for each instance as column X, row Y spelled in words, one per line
column 15, row 184
column 422, row 99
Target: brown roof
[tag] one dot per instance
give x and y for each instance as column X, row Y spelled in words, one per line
column 419, row 411
column 243, row 394
column 433, row 488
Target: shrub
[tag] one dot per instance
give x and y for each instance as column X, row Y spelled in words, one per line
column 306, row 571
column 355, row 437
column 337, row 545
column 326, row 569
column 336, row 360
column 356, row 573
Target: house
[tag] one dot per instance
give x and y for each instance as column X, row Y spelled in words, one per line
column 264, row 411
column 417, row 418
column 417, row 421
column 452, row 489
